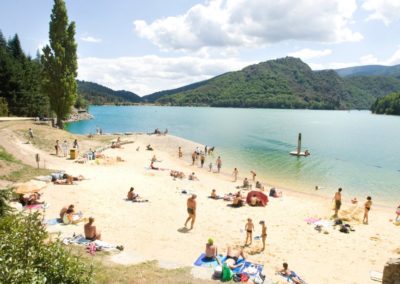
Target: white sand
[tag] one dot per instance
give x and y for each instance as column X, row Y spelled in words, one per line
column 154, row 230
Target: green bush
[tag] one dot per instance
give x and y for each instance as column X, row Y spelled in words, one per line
column 27, row 256
column 3, row 107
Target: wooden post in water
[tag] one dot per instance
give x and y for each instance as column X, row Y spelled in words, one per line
column 299, row 144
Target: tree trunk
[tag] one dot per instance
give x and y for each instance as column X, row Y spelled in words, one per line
column 60, row 123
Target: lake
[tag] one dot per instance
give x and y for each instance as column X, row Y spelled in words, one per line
column 355, row 150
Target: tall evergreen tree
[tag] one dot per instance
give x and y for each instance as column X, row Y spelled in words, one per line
column 60, row 63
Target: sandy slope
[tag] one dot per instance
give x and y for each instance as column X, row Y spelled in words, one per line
column 153, row 230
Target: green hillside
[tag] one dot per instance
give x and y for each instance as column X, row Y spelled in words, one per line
column 281, row 83
column 370, row 70
column 99, row 95
column 389, row 104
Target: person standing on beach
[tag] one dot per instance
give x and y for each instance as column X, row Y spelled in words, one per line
column 263, row 233
column 191, row 209
column 57, row 147
column 205, row 150
column 219, row 163
column 65, row 148
column 398, row 214
column 367, row 207
column 202, row 160
column 253, row 173
column 338, row 201
column 235, row 174
column 210, row 166
column 30, row 132
column 180, row 152
column 193, row 158
column 249, row 228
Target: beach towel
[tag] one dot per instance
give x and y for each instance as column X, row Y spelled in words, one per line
column 203, row 262
column 54, row 221
column 35, row 206
column 312, row 220
column 100, row 245
column 288, row 278
column 375, row 275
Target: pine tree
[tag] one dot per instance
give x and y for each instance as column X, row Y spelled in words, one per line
column 60, row 63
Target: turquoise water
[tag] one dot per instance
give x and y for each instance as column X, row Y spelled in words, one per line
column 355, row 150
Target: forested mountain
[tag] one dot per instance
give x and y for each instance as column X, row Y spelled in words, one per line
column 98, row 95
column 370, row 70
column 281, row 83
column 389, row 104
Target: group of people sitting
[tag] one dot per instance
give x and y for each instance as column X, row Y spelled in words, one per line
column 159, row 132
column 235, row 258
column 66, row 179
column 177, row 174
column 69, row 216
column 30, row 199
column 116, row 144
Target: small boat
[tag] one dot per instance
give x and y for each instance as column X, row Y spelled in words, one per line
column 298, row 152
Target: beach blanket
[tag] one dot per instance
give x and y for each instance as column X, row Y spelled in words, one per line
column 311, row 220
column 251, row 269
column 288, row 278
column 35, row 206
column 376, row 275
column 54, row 221
column 81, row 240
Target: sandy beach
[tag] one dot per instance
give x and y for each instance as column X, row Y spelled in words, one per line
column 154, row 230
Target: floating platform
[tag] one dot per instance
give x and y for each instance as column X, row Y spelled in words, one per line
column 300, row 154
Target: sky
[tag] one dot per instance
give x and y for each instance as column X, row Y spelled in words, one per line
column 153, row 45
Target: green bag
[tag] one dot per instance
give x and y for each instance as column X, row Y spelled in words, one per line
column 227, row 273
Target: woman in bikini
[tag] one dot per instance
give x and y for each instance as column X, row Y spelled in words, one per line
column 367, row 207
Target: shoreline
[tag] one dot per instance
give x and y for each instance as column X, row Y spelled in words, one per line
column 322, row 193
column 154, row 230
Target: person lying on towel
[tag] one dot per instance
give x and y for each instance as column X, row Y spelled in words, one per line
column 290, row 274
column 232, row 258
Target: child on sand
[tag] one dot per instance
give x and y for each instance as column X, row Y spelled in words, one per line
column 263, row 233
column 367, row 207
column 249, row 231
column 180, row 152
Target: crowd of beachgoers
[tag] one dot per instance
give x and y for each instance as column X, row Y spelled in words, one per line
column 247, row 192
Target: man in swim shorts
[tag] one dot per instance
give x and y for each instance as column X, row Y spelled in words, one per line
column 191, row 209
column 338, row 201
column 232, row 258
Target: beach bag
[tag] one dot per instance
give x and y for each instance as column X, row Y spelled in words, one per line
column 227, row 273
column 344, row 229
column 217, row 272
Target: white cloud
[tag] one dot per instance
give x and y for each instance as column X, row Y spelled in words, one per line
column 236, row 23
column 147, row 74
column 307, row 53
column 91, row 39
column 386, row 11
column 368, row 59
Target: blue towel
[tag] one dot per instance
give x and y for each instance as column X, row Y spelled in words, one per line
column 53, row 221
column 203, row 262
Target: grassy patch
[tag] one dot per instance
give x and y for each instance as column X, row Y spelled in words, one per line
column 5, row 156
column 15, row 171
column 146, row 272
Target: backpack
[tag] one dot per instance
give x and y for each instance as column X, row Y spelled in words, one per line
column 227, row 273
